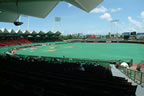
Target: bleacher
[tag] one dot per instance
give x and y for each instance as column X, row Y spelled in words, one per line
column 21, row 77
column 12, row 42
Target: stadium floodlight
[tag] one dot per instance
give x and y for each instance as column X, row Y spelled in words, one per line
column 57, row 19
column 56, row 24
column 114, row 27
column 18, row 23
column 28, row 23
column 115, row 20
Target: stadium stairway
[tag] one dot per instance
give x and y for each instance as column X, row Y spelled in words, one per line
column 118, row 73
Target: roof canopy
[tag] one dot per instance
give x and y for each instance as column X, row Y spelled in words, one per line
column 12, row 31
column 5, row 31
column 20, row 32
column 86, row 5
column 10, row 10
column 41, row 32
column 1, row 31
column 34, row 32
column 27, row 32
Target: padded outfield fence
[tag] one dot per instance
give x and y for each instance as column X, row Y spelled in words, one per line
column 136, row 76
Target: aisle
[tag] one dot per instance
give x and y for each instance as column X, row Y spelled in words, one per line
column 116, row 72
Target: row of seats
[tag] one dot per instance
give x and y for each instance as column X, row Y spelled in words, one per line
column 45, row 78
column 12, row 42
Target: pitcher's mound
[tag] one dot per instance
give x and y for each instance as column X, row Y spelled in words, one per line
column 70, row 46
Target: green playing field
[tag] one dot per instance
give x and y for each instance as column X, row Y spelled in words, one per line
column 102, row 51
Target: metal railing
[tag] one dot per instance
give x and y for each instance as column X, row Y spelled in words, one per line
column 136, row 76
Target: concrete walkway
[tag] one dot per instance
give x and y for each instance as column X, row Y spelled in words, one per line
column 116, row 72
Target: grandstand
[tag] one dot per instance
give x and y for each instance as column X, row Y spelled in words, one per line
column 12, row 42
column 21, row 76
column 43, row 75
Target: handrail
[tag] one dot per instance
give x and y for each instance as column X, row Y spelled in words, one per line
column 136, row 76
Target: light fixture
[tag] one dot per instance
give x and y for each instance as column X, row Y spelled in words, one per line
column 17, row 22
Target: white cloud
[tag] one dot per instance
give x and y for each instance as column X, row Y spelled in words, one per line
column 99, row 10
column 102, row 9
column 115, row 9
column 142, row 14
column 136, row 23
column 106, row 16
column 69, row 5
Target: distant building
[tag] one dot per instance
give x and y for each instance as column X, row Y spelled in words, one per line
column 133, row 33
column 140, row 36
column 81, row 35
column 90, row 36
column 103, row 37
column 126, row 35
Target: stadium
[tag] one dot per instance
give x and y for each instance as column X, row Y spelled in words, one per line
column 44, row 64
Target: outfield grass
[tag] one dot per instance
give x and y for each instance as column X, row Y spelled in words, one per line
column 102, row 51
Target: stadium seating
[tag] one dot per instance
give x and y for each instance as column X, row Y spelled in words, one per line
column 22, row 77
column 12, row 42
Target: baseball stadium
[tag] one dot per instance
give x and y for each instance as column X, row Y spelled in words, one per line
column 42, row 64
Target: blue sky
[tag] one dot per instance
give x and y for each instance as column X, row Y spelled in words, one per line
column 130, row 14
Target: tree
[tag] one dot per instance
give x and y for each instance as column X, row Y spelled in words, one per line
column 107, row 36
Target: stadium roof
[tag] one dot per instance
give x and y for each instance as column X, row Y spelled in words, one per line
column 41, row 32
column 27, row 32
column 49, row 32
column 5, row 31
column 20, row 32
column 34, row 32
column 12, row 31
column 1, row 31
column 10, row 10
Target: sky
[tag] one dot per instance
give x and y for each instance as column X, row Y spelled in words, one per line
column 128, row 13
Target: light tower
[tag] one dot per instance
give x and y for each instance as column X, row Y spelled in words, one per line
column 28, row 24
column 114, row 27
column 56, row 24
